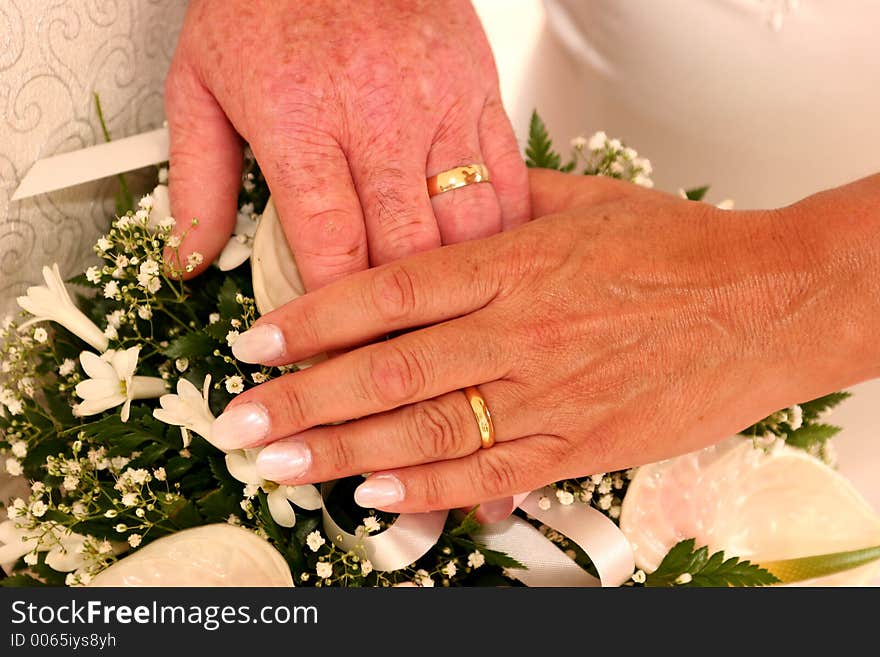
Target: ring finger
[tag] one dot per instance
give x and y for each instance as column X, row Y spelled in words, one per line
column 433, row 430
column 472, row 211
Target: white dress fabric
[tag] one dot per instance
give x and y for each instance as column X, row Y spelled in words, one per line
column 767, row 101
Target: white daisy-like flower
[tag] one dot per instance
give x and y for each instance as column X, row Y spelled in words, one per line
column 476, row 559
column 188, row 409
column 234, row 384
column 39, row 508
column 111, row 290
column 242, row 464
column 597, row 141
column 238, row 248
column 315, row 541
column 324, row 570
column 67, row 367
column 40, row 335
column 13, row 467
column 565, row 497
column 52, row 302
column 113, row 382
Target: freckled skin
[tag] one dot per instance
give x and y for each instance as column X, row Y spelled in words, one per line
column 348, row 107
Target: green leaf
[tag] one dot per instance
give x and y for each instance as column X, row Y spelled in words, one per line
column 812, row 434
column 197, row 344
column 816, row 408
column 217, row 506
column 684, row 559
column 697, row 193
column 539, row 151
column 467, row 526
column 226, row 303
column 124, row 200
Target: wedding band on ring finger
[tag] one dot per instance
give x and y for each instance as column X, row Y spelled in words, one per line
column 461, row 176
column 437, row 429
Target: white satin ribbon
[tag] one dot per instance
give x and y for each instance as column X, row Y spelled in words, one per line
column 93, row 163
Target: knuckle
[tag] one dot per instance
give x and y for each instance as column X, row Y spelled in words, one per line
column 339, row 456
column 292, row 401
column 330, row 233
column 394, row 293
column 397, row 375
column 436, row 434
column 496, row 475
column 434, row 491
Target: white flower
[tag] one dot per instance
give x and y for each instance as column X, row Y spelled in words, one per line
column 450, row 569
column 64, row 547
column 315, row 541
column 597, row 141
column 113, row 382
column 324, row 570
column 93, row 275
column 52, row 302
column 579, row 143
column 639, row 577
column 111, row 290
column 40, row 335
column 39, row 508
column 239, row 247
column 371, row 524
column 67, row 367
column 111, row 333
column 104, row 244
column 795, row 417
column 259, row 377
column 242, row 464
column 231, row 337
column 424, row 579
column 544, row 503
column 181, row 364
column 188, row 409
column 70, row 483
column 130, row 499
column 366, row 567
column 476, row 559
column 614, row 144
column 234, row 384
column 213, row 318
column 565, row 497
column 145, row 312
column 134, row 540
column 19, row 449
column 13, row 467
column 79, row 510
column 159, row 474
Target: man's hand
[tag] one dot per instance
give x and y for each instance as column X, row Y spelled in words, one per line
column 348, row 107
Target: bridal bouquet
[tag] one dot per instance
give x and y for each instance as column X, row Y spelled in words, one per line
column 109, row 383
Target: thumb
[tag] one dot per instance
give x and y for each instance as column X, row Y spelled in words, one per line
column 553, row 191
column 205, row 167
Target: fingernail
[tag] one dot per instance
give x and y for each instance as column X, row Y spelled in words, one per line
column 284, row 460
column 241, row 426
column 379, row 491
column 260, row 344
column 495, row 510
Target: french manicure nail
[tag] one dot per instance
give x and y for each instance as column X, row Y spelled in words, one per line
column 284, row 460
column 379, row 491
column 243, row 425
column 260, row 344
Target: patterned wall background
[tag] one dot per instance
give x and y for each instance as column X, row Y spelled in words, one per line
column 54, row 54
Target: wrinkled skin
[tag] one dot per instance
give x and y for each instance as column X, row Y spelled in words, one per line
column 622, row 327
column 347, row 112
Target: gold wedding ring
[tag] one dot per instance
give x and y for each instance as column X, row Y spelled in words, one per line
column 482, row 415
column 468, row 174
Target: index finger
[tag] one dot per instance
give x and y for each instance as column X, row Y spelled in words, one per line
column 424, row 289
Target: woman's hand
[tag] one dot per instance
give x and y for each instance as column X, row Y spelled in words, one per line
column 624, row 327
column 348, row 107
